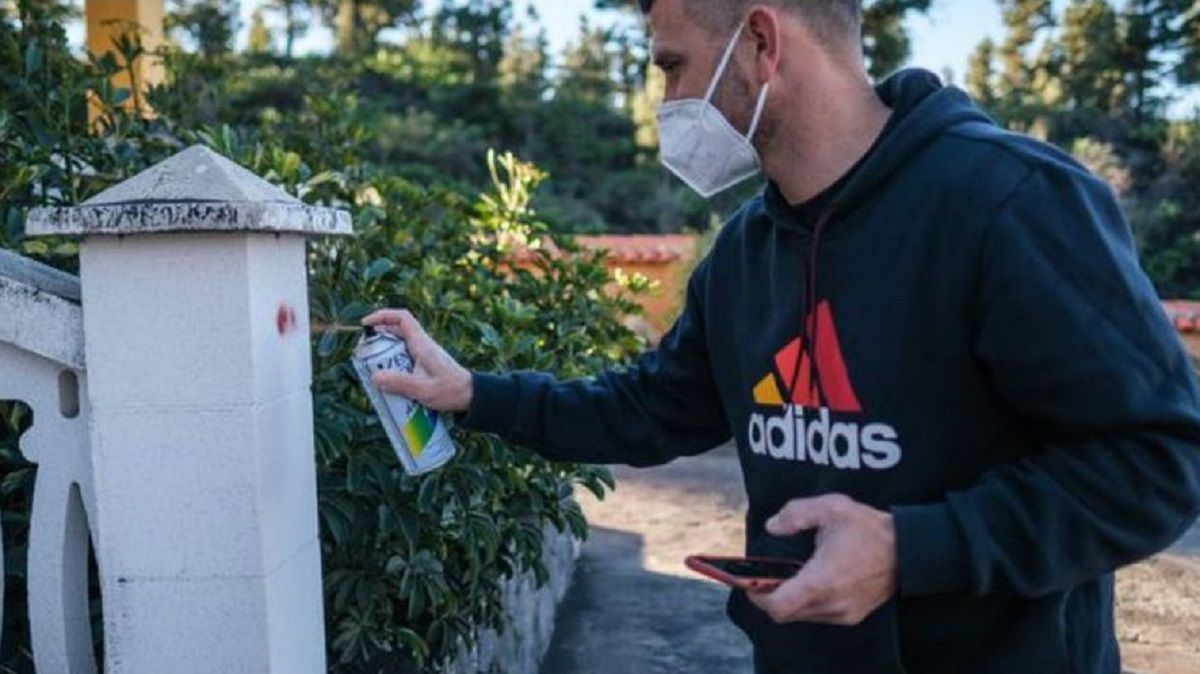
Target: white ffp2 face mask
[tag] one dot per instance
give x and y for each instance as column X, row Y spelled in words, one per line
column 700, row 146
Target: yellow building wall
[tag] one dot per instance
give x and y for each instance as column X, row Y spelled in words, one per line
column 109, row 19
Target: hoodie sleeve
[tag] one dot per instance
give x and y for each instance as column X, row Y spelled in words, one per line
column 663, row 406
column 1076, row 342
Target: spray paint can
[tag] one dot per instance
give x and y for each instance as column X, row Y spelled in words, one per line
column 418, row 434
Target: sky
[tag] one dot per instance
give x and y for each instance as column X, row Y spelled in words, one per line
column 942, row 39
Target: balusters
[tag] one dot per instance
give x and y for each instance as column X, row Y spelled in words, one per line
column 57, row 563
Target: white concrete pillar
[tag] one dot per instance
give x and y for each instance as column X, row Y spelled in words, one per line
column 201, row 417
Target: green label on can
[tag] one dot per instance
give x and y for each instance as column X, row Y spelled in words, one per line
column 419, row 429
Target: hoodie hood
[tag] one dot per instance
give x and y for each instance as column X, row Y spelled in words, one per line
column 922, row 108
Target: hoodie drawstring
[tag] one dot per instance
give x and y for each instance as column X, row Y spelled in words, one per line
column 808, row 316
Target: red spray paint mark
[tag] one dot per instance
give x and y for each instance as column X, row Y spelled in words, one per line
column 285, row 319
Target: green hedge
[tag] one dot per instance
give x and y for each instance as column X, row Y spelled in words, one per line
column 412, row 566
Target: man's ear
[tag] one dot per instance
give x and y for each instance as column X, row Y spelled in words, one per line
column 762, row 26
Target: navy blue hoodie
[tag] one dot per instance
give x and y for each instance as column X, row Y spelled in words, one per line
column 962, row 336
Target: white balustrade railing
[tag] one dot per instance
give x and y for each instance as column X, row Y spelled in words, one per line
column 42, row 365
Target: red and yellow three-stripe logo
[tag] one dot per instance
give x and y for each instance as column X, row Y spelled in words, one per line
column 827, row 385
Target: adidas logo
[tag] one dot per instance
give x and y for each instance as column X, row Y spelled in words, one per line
column 823, row 441
column 822, row 421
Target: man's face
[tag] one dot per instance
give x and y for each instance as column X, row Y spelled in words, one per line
column 688, row 51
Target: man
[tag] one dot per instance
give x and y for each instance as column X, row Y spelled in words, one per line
column 930, row 339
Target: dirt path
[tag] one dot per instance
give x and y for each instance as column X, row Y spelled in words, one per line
column 1158, row 614
column 634, row 609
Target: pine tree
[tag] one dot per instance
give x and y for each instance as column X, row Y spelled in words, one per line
column 1189, row 65
column 1088, row 57
column 588, row 66
column 981, row 74
column 1017, row 96
column 524, row 80
column 295, row 22
column 1152, row 32
column 631, row 62
column 357, row 23
column 523, row 66
column 478, row 29
column 211, row 23
column 885, row 42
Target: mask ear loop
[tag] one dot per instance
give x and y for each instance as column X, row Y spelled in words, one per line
column 758, row 111
column 712, row 86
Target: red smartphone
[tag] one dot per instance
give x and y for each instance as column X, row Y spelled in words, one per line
column 753, row 574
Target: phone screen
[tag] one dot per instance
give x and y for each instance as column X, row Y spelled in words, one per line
column 755, row 569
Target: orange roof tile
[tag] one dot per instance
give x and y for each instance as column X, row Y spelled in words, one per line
column 643, row 248
column 1185, row 314
column 631, row 248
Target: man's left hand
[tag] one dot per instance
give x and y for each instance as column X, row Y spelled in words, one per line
column 851, row 573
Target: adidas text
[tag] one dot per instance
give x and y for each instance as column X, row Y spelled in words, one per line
column 824, row 441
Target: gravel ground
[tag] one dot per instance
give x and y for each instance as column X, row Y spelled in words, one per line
column 633, row 607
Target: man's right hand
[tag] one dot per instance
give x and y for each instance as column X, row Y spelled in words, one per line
column 437, row 380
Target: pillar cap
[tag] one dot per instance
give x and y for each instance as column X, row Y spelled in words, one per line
column 195, row 190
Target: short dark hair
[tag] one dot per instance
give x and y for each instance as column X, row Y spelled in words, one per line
column 829, row 19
